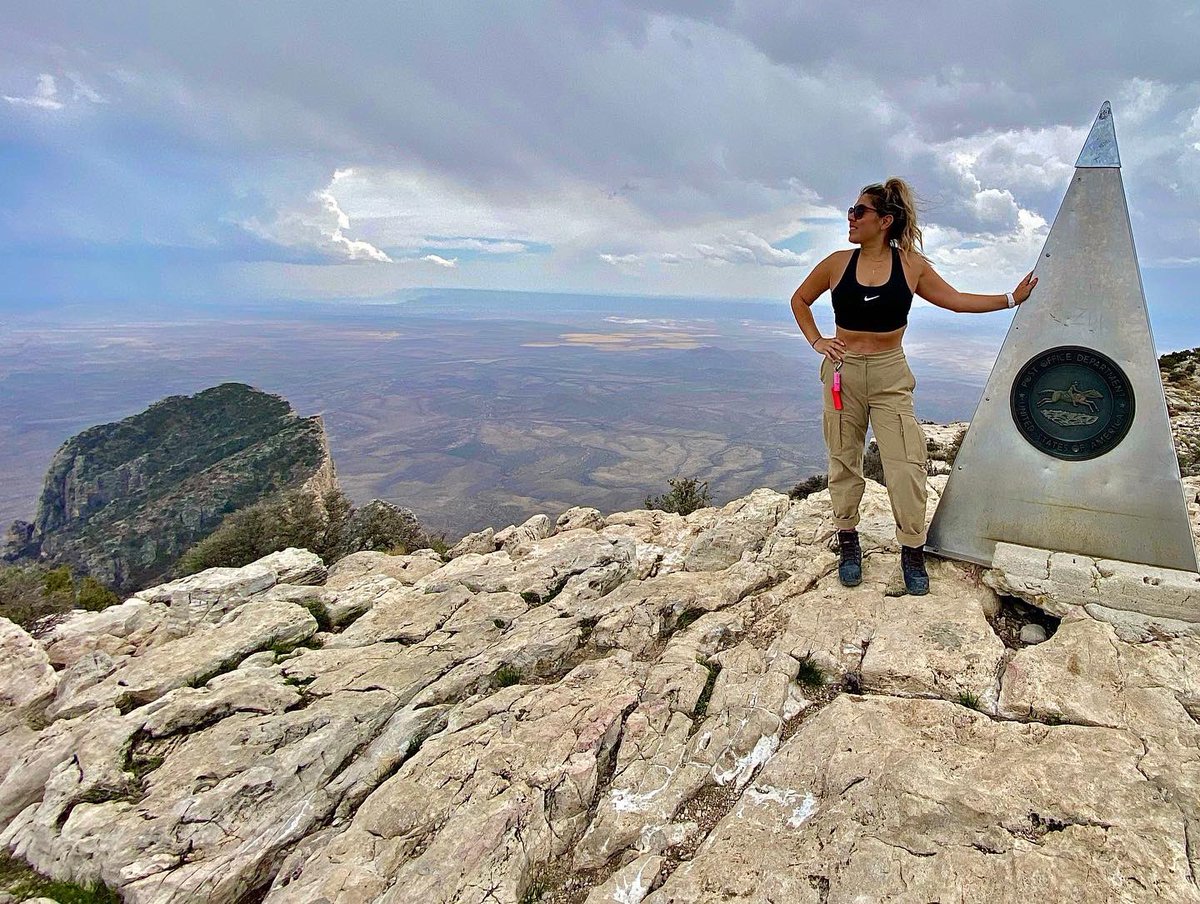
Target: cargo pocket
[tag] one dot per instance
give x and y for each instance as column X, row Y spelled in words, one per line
column 915, row 450
column 831, row 427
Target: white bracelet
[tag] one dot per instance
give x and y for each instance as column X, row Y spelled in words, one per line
column 1011, row 301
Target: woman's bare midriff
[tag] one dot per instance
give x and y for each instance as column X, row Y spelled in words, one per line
column 863, row 343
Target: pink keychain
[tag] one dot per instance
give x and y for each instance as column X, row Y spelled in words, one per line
column 837, row 386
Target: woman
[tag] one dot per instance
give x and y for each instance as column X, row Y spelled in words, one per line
column 872, row 290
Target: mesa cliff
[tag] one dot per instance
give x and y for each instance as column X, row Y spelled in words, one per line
column 122, row 502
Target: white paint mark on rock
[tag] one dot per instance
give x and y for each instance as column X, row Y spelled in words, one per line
column 804, row 812
column 625, row 800
column 744, row 766
column 784, row 797
column 635, row 890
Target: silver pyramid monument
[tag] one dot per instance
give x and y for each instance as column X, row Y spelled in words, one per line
column 1070, row 448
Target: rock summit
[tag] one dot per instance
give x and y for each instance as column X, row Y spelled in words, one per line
column 638, row 707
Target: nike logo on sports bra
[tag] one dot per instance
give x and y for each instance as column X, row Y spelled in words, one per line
column 870, row 297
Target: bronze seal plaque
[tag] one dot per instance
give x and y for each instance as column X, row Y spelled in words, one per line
column 1072, row 403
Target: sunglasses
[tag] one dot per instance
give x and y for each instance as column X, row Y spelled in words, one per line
column 858, row 211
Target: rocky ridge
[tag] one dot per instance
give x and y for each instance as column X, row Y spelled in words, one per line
column 1181, row 385
column 121, row 502
column 618, row 708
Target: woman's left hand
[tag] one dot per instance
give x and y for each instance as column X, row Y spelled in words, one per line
column 1024, row 287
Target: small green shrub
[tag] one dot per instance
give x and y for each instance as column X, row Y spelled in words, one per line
column 327, row 525
column 438, row 544
column 811, row 674
column 969, row 699
column 59, row 579
column 701, row 708
column 506, row 676
column 687, row 495
column 951, row 452
column 1179, row 359
column 94, row 596
column 378, row 525
column 586, row 626
column 873, row 465
column 808, row 486
column 22, row 882
column 534, row 893
column 25, row 598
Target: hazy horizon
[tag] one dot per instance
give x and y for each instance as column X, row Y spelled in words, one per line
column 472, row 406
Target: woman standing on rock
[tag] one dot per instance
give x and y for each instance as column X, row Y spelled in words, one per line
column 872, row 289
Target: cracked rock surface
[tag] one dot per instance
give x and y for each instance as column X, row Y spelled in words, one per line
column 630, row 707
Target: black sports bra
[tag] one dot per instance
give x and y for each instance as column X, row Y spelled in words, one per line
column 872, row 309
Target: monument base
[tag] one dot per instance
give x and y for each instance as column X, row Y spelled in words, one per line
column 1142, row 602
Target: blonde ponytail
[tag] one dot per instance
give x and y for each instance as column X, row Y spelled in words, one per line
column 896, row 198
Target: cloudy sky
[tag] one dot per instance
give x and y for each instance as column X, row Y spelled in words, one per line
column 227, row 150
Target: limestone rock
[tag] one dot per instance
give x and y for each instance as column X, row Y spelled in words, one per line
column 692, row 705
column 1063, row 583
column 480, row 543
column 663, row 539
column 85, row 672
column 193, row 659
column 26, row 676
column 902, row 799
column 942, row 645
column 536, row 528
column 117, row 630
column 241, row 691
column 629, row 884
column 208, row 595
column 541, row 569
column 501, row 790
column 579, row 517
column 1032, row 633
column 740, row 527
column 356, row 567
column 342, row 606
column 294, row 566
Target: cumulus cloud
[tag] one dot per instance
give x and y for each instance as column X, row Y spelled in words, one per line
column 450, row 263
column 81, row 90
column 972, row 261
column 319, row 226
column 623, row 260
column 44, row 97
column 749, row 248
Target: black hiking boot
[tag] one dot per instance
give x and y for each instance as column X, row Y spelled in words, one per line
column 912, row 563
column 850, row 564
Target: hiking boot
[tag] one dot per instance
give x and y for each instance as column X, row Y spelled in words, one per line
column 912, row 563
column 850, row 563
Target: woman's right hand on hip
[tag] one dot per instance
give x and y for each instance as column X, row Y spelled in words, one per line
column 834, row 349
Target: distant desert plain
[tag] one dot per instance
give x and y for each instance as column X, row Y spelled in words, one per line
column 479, row 408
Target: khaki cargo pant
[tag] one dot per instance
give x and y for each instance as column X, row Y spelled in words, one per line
column 877, row 388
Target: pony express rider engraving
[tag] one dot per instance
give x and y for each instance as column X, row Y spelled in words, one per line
column 1072, row 403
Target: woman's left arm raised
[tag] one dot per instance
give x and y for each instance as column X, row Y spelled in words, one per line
column 936, row 290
